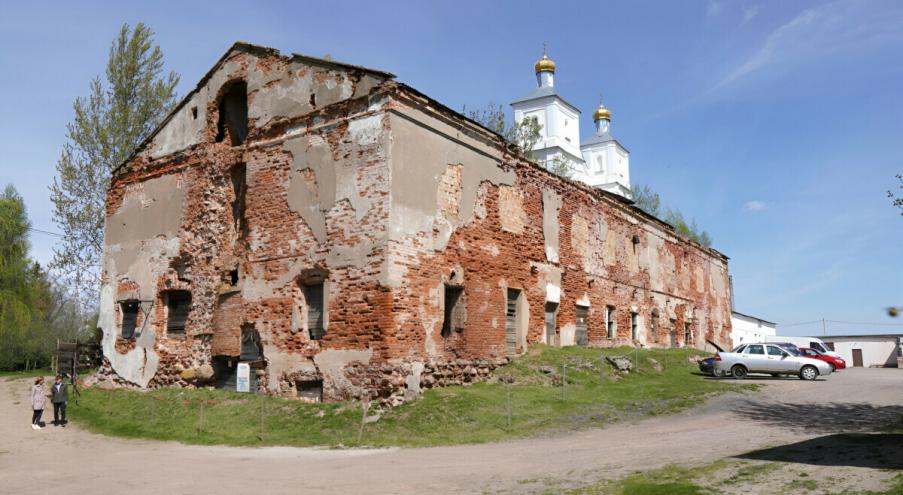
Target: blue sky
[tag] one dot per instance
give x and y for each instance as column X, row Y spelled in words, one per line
column 777, row 125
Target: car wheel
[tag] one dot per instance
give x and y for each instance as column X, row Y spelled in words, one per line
column 808, row 373
column 739, row 372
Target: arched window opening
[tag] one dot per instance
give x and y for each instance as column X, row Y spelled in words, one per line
column 233, row 115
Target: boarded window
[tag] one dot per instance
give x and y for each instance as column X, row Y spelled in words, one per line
column 129, row 318
column 239, row 189
column 233, row 115
column 511, row 316
column 687, row 333
column 455, row 315
column 633, row 326
column 314, row 296
column 178, row 304
column 610, row 323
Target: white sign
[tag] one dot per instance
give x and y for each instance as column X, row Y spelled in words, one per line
column 243, row 380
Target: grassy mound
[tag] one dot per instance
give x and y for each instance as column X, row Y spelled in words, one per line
column 524, row 398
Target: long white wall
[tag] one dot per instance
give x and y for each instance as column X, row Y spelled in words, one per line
column 745, row 329
column 876, row 351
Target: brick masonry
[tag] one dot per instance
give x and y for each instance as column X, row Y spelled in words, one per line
column 385, row 197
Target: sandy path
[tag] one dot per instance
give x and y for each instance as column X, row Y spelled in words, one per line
column 70, row 460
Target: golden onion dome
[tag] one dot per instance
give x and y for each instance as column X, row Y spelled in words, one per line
column 601, row 113
column 545, row 64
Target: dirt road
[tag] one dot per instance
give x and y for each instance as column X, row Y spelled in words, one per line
column 70, row 460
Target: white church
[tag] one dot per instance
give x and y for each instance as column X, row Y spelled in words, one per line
column 599, row 160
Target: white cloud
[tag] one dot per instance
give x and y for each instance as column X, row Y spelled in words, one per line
column 819, row 33
column 754, row 205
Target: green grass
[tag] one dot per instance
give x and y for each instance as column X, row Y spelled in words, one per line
column 25, row 374
column 444, row 416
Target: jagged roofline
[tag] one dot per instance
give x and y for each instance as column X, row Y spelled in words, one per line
column 260, row 49
column 242, row 46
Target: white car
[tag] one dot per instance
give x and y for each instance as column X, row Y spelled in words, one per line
column 770, row 359
column 810, row 342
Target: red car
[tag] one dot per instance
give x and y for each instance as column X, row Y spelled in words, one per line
column 836, row 363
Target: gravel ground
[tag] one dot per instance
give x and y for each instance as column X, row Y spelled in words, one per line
column 789, row 418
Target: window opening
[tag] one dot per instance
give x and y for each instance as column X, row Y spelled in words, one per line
column 129, row 318
column 633, row 326
column 233, row 115
column 238, row 175
column 610, row 324
column 314, row 296
column 454, row 316
column 178, row 304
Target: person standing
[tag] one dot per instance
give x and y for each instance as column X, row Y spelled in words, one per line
column 37, row 403
column 59, row 395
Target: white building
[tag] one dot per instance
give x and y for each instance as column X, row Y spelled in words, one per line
column 745, row 328
column 600, row 160
column 867, row 350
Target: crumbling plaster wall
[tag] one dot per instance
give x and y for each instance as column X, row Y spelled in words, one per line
column 317, row 189
column 554, row 240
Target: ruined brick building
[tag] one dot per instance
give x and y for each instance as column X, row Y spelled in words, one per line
column 348, row 236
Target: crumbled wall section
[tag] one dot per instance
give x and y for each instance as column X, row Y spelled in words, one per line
column 381, row 200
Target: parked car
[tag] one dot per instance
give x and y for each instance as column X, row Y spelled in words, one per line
column 769, row 359
column 836, row 363
column 810, row 342
column 707, row 365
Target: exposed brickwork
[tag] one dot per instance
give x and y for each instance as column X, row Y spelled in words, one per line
column 322, row 168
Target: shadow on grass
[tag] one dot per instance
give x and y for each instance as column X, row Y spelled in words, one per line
column 863, row 450
column 825, row 418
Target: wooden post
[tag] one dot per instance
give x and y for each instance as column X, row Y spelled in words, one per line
column 201, row 418
column 262, row 414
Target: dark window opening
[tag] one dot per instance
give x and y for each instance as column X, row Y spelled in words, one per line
column 687, row 333
column 314, row 296
column 178, row 304
column 635, row 240
column 313, row 100
column 129, row 318
column 233, row 115
column 250, row 345
column 194, row 112
column 610, row 323
column 454, row 317
column 310, row 389
column 239, row 189
column 233, row 277
column 633, row 326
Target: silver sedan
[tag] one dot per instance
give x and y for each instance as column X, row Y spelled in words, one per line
column 770, row 359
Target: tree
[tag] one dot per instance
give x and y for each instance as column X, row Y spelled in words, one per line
column 525, row 134
column 647, row 200
column 685, row 229
column 118, row 114
column 897, row 200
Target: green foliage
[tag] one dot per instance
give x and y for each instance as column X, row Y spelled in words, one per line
column 525, row 134
column 33, row 311
column 897, row 200
column 109, row 124
column 444, row 416
column 649, row 201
